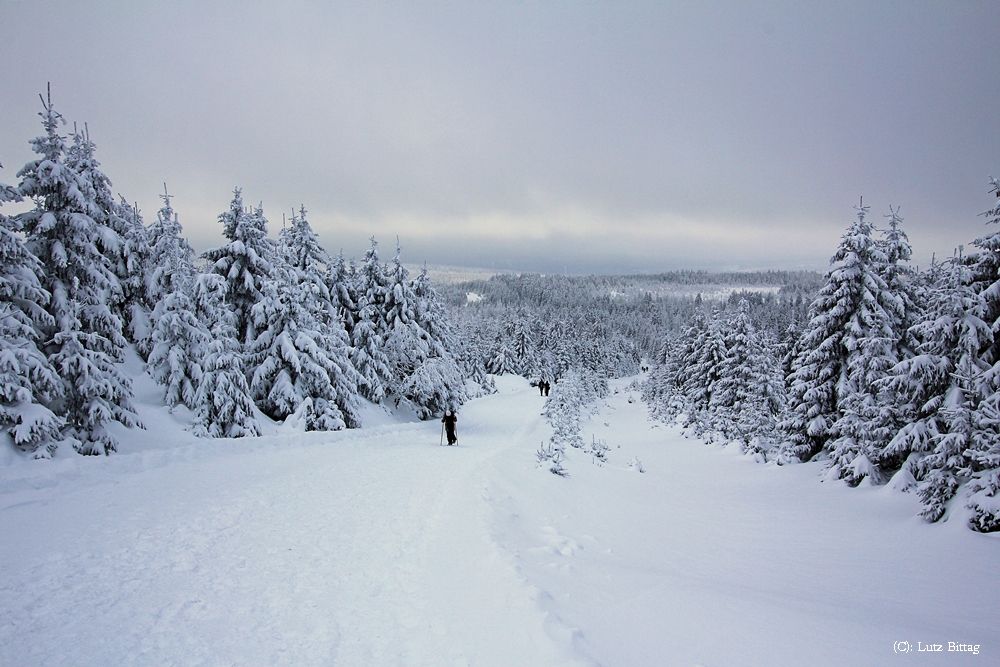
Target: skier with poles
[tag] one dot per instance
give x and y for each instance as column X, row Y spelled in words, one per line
column 448, row 424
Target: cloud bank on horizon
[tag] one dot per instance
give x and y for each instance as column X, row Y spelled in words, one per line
column 584, row 137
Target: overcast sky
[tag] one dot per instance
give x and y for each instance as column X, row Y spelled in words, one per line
column 583, row 137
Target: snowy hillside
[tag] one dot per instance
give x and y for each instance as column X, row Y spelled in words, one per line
column 376, row 546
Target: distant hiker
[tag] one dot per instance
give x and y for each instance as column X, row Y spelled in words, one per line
column 541, row 387
column 547, row 387
column 450, row 420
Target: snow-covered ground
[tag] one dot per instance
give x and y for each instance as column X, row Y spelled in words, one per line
column 379, row 547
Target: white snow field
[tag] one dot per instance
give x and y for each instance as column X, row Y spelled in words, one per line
column 379, row 547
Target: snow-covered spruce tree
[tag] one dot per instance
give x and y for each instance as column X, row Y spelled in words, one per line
column 368, row 334
column 919, row 382
column 84, row 340
column 503, row 361
column 847, row 348
column 172, row 257
column 984, row 450
column 246, row 262
column 342, row 283
column 986, row 278
column 702, row 376
column 424, row 373
column 432, row 316
column 297, row 358
column 936, row 390
column 563, row 408
column 80, row 157
column 179, row 337
column 470, row 355
column 562, row 411
column 951, row 386
column 767, row 391
column 790, row 350
column 28, row 383
column 984, row 501
column 224, row 408
column 133, row 268
column 882, row 414
column 562, row 354
column 179, row 341
column 901, row 282
column 127, row 250
column 749, row 395
column 523, row 347
column 663, row 391
column 436, row 385
column 406, row 344
column 307, row 261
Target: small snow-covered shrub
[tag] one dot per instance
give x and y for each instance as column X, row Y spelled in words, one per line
column 598, row 449
column 551, row 456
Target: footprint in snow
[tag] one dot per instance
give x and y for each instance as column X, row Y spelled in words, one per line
column 557, row 544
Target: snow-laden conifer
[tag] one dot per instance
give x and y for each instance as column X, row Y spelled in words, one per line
column 748, row 396
column 936, row 389
column 172, row 257
column 84, row 340
column 846, row 349
column 127, row 249
column 295, row 357
column 984, row 455
column 178, row 343
column 342, row 284
column 28, row 382
column 133, row 269
column 436, row 385
column 307, row 261
column 419, row 345
column 246, row 262
column 949, row 389
column 369, row 332
column 523, row 347
column 503, row 361
column 702, row 376
column 984, row 450
column 179, row 337
column 407, row 346
column 562, row 411
column 564, row 406
column 901, row 282
column 224, row 408
column 664, row 391
column 432, row 316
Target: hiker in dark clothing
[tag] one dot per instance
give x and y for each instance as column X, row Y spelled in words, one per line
column 541, row 387
column 547, row 387
column 450, row 421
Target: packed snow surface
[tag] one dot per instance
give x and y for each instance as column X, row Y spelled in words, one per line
column 379, row 547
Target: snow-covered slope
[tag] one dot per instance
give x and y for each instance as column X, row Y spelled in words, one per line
column 379, row 547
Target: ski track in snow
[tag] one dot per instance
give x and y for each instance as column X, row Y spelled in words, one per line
column 379, row 547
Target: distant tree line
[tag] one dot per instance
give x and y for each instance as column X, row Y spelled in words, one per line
column 541, row 327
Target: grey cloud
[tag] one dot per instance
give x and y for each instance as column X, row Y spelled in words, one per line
column 437, row 121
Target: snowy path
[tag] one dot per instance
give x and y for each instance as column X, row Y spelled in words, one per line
column 378, row 547
column 371, row 549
